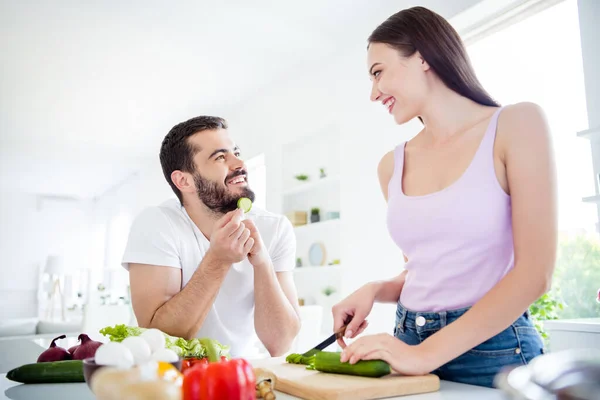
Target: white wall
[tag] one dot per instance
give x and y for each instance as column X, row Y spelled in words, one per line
column 115, row 210
column 32, row 228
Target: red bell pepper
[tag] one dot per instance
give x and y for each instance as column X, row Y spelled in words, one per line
column 219, row 378
column 191, row 361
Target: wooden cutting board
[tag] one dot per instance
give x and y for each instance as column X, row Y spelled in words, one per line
column 297, row 381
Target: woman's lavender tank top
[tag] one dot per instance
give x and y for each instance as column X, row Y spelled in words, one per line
column 459, row 240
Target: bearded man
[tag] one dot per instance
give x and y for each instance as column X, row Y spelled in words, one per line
column 198, row 266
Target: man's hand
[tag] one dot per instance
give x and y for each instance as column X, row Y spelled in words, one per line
column 230, row 241
column 258, row 255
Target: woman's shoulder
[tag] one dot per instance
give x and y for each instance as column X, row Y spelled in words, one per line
column 386, row 162
column 519, row 117
column 522, row 124
column 521, row 110
column 385, row 168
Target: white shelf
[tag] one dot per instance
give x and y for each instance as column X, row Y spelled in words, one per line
column 305, row 186
column 592, row 199
column 317, row 225
column 592, row 133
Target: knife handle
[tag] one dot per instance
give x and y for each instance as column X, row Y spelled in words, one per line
column 340, row 332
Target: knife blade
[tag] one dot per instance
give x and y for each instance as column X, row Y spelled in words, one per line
column 325, row 343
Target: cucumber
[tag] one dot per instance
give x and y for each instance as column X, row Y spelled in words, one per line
column 48, row 372
column 327, row 361
column 295, row 358
column 245, row 204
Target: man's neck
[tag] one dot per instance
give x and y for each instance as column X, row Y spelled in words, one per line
column 202, row 217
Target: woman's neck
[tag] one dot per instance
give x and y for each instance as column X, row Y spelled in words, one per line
column 447, row 114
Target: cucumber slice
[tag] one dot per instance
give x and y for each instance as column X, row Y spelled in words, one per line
column 245, row 204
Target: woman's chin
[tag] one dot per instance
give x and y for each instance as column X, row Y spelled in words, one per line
column 400, row 118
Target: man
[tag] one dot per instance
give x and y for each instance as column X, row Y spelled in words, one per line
column 199, row 267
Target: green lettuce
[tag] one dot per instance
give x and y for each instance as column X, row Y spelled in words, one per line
column 183, row 347
column 119, row 332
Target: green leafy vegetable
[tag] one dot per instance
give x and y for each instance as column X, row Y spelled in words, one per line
column 120, row 332
column 183, row 347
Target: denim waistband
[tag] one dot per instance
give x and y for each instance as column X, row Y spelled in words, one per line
column 429, row 320
column 432, row 314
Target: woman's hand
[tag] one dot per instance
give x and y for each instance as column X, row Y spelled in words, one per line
column 403, row 358
column 356, row 308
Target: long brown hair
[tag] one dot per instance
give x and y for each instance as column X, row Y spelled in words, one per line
column 420, row 29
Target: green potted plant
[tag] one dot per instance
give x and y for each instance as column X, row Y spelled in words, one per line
column 314, row 215
column 329, row 290
column 547, row 307
column 571, row 313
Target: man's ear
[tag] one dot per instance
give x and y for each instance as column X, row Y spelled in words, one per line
column 183, row 181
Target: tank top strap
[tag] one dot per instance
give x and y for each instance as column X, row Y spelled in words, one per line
column 395, row 183
column 483, row 162
column 490, row 134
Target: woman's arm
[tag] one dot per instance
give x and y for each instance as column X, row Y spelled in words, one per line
column 531, row 177
column 385, row 170
column 389, row 291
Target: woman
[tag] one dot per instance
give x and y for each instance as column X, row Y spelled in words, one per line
column 471, row 203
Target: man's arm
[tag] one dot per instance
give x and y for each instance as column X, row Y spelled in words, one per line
column 159, row 302
column 276, row 315
column 157, row 297
column 276, row 312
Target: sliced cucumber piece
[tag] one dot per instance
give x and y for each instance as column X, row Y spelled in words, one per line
column 245, row 204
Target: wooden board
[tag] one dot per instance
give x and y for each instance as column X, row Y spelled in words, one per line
column 297, row 381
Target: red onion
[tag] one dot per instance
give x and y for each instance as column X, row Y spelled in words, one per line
column 87, row 348
column 73, row 348
column 54, row 352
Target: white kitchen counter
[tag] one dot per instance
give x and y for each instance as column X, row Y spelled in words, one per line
column 25, row 351
column 80, row 391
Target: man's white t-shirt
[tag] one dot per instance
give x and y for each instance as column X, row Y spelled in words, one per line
column 165, row 235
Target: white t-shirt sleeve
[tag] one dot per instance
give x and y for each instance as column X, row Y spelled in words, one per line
column 152, row 240
column 283, row 254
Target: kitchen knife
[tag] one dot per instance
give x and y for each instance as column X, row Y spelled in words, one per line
column 328, row 341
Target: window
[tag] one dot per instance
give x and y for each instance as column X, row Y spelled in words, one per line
column 534, row 60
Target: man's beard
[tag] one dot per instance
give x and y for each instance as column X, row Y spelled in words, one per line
column 216, row 197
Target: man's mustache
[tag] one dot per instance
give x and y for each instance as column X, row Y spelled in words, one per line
column 234, row 174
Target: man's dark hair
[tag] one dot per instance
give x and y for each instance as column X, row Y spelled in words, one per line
column 176, row 153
